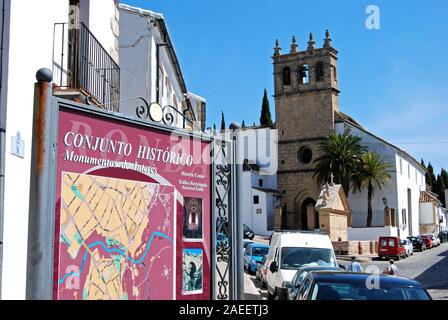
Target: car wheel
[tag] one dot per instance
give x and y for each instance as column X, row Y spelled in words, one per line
column 398, row 257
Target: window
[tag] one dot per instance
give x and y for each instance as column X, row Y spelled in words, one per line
column 260, row 182
column 286, row 76
column 256, row 199
column 401, row 167
column 305, row 155
column 403, row 216
column 409, row 171
column 319, row 71
column 304, row 74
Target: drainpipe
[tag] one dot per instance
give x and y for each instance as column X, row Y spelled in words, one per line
column 2, row 145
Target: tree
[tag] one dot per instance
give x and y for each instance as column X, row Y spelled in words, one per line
column 214, row 126
column 243, row 125
column 444, row 175
column 440, row 189
column 372, row 172
column 223, row 122
column 265, row 118
column 338, row 155
column 430, row 177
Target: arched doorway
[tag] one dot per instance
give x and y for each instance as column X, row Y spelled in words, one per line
column 309, row 219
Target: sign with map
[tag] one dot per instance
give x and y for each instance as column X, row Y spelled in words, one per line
column 122, row 194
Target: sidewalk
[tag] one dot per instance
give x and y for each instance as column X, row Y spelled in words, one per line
column 250, row 290
column 359, row 258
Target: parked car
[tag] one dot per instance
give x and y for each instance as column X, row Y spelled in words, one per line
column 408, row 247
column 301, row 275
column 435, row 240
column 443, row 236
column 253, row 255
column 260, row 274
column 222, row 242
column 290, row 251
column 418, row 243
column 391, row 247
column 333, row 285
column 248, row 232
column 246, row 242
column 428, row 241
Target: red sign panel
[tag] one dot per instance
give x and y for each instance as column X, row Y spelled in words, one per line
column 132, row 213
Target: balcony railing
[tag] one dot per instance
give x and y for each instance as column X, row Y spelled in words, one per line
column 83, row 66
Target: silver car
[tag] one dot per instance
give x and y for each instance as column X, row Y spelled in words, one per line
column 407, row 244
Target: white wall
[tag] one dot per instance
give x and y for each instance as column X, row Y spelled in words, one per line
column 258, row 146
column 30, row 48
column 427, row 213
column 358, row 234
column 138, row 63
column 396, row 191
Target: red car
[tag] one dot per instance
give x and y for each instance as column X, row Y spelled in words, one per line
column 391, row 247
column 428, row 240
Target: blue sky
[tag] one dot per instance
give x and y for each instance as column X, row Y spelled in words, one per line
column 392, row 80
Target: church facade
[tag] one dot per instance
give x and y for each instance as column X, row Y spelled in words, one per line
column 307, row 112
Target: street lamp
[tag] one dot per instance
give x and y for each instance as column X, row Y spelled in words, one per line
column 385, row 202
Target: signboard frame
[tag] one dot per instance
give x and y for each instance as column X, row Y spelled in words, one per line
column 59, row 105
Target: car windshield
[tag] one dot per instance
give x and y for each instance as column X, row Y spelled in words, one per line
column 295, row 258
column 359, row 291
column 259, row 251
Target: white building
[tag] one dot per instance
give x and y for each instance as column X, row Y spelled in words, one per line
column 256, row 176
column 31, row 34
column 151, row 69
column 432, row 214
column 401, row 194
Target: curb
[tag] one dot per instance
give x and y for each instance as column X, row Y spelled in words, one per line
column 358, row 258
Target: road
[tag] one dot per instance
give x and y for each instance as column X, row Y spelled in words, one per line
column 430, row 268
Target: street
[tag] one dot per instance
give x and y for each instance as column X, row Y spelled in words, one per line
column 429, row 268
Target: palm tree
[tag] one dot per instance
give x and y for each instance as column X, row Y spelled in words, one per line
column 373, row 172
column 339, row 155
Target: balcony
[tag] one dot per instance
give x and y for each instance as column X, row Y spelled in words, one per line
column 83, row 71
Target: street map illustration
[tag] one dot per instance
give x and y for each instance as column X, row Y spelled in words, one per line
column 116, row 239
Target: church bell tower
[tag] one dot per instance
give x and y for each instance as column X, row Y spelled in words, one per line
column 306, row 99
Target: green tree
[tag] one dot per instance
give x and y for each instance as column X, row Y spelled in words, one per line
column 214, row 126
column 372, row 172
column 243, row 125
column 440, row 189
column 338, row 155
column 431, row 177
column 223, row 122
column 265, row 118
column 444, row 175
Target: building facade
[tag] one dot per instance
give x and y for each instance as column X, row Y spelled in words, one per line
column 307, row 112
column 26, row 47
column 306, row 99
column 150, row 68
column 256, row 179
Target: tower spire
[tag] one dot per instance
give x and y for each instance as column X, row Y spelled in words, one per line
column 294, row 45
column 277, row 49
column 311, row 42
column 327, row 40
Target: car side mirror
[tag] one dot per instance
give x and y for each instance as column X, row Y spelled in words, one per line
column 273, row 267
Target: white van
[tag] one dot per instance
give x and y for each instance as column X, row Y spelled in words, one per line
column 290, row 251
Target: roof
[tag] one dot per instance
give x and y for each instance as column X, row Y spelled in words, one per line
column 361, row 277
column 169, row 45
column 428, row 196
column 267, row 190
column 341, row 117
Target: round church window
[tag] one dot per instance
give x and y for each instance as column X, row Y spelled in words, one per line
column 305, row 155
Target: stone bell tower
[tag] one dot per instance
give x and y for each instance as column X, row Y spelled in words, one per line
column 306, row 99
